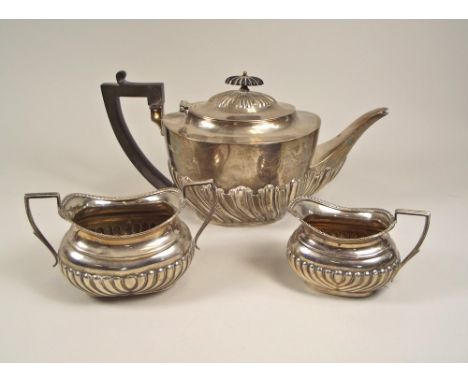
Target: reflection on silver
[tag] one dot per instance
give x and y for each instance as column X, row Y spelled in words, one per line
column 122, row 246
column 346, row 251
column 260, row 153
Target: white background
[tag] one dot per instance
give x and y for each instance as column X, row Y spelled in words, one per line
column 239, row 301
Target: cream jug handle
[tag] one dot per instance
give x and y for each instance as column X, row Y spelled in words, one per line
column 37, row 232
column 212, row 209
column 427, row 217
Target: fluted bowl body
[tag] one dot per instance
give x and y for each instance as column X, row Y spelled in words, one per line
column 346, row 252
column 126, row 246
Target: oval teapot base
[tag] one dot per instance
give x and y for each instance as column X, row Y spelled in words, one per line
column 247, row 223
column 339, row 293
column 242, row 206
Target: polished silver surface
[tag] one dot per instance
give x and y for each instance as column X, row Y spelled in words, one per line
column 244, row 206
column 346, row 251
column 243, row 132
column 255, row 183
column 241, row 105
column 260, row 153
column 241, row 117
column 122, row 246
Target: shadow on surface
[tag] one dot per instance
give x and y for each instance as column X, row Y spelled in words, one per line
column 38, row 275
column 43, row 280
column 211, row 275
column 270, row 259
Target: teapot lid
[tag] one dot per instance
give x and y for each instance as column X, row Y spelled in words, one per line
column 242, row 104
column 241, row 116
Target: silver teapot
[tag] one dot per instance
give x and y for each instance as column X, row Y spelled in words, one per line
column 261, row 153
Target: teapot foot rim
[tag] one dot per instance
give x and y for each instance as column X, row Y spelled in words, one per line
column 340, row 293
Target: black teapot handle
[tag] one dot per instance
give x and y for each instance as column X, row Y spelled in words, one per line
column 154, row 92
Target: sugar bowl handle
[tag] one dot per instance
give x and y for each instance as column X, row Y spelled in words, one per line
column 427, row 217
column 37, row 232
column 212, row 209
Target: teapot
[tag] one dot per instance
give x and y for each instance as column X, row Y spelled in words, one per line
column 346, row 251
column 122, row 246
column 260, row 153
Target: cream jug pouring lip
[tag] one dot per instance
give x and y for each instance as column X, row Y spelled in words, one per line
column 389, row 223
column 45, row 195
column 85, row 201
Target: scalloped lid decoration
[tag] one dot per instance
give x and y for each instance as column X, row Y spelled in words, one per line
column 241, row 116
column 242, row 104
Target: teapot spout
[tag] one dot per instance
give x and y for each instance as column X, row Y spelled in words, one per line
column 330, row 156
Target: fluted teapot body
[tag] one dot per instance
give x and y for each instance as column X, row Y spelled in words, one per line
column 260, row 153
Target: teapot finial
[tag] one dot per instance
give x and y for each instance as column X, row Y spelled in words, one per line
column 121, row 76
column 244, row 81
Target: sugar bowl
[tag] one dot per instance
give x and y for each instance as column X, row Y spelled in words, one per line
column 346, row 251
column 123, row 246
